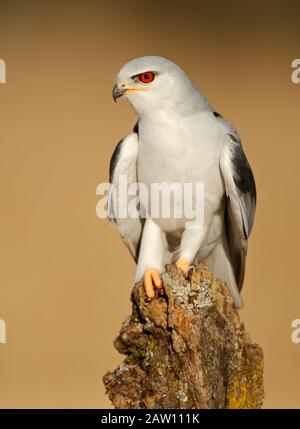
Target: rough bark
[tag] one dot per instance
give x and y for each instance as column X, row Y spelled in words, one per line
column 186, row 349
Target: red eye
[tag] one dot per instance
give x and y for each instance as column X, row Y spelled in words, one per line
column 146, row 77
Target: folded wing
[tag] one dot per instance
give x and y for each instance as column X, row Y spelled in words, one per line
column 240, row 202
column 122, row 175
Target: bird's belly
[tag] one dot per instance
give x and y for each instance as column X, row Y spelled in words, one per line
column 176, row 157
column 174, row 190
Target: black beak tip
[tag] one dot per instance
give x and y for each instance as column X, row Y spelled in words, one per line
column 116, row 92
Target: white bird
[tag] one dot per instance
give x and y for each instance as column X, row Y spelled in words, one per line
column 179, row 138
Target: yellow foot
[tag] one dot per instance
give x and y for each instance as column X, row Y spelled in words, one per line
column 151, row 279
column 184, row 265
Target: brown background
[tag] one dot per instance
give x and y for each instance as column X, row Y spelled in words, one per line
column 63, row 294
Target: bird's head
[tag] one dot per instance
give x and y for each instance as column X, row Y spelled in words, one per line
column 153, row 83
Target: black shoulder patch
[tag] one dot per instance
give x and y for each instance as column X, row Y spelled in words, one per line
column 217, row 115
column 114, row 160
column 136, row 128
column 234, row 138
column 243, row 176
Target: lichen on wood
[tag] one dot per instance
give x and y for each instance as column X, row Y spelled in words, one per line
column 186, row 348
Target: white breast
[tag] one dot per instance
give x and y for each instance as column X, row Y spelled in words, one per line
column 186, row 150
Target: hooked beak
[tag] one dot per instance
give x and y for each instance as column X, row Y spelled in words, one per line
column 117, row 92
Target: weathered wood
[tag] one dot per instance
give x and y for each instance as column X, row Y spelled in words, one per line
column 186, row 349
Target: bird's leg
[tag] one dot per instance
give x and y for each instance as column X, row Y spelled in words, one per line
column 150, row 262
column 191, row 241
column 184, row 265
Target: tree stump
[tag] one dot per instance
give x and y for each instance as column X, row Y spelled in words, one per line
column 186, row 348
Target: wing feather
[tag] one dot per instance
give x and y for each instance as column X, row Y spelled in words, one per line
column 123, row 163
column 240, row 202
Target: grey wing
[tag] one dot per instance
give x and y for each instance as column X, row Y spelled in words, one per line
column 240, row 202
column 123, row 174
